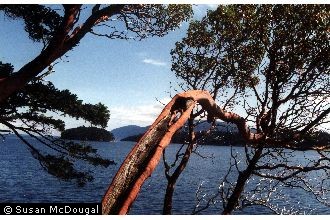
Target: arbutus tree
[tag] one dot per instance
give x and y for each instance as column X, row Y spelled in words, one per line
column 26, row 99
column 270, row 63
column 281, row 80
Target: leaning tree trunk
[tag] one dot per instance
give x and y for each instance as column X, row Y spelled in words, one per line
column 144, row 157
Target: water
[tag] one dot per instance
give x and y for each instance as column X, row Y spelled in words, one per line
column 23, row 180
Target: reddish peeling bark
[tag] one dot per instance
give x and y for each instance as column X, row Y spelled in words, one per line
column 146, row 154
column 54, row 50
column 63, row 41
column 144, row 157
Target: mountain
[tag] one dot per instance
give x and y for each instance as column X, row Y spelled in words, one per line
column 126, row 131
column 220, row 126
column 134, row 130
column 223, row 135
column 227, row 131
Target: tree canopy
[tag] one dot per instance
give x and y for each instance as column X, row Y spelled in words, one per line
column 270, row 64
column 271, row 60
column 266, row 68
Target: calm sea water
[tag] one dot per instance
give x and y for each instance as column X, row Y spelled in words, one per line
column 23, row 180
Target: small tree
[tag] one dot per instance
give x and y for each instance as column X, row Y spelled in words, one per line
column 271, row 64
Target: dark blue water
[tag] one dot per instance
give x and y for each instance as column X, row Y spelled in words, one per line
column 23, row 180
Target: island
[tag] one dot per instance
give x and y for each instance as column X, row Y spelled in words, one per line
column 217, row 138
column 87, row 134
column 233, row 138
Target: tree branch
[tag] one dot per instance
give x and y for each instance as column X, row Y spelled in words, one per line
column 54, row 50
column 146, row 154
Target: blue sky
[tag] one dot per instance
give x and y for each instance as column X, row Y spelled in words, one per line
column 127, row 76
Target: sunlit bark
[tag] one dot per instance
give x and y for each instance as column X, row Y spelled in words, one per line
column 144, row 157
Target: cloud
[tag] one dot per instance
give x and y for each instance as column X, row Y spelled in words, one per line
column 154, row 62
column 141, row 115
column 212, row 6
column 201, row 9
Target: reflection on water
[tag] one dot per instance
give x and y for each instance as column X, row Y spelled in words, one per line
column 23, row 180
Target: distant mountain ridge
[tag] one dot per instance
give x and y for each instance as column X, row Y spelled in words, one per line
column 127, row 131
column 221, row 126
column 224, row 134
column 134, row 130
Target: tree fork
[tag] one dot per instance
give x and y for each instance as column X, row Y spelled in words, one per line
column 144, row 157
column 171, row 180
column 241, row 181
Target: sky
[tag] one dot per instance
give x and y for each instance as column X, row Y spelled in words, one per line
column 131, row 77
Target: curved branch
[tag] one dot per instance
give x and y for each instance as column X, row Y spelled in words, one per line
column 54, row 50
column 145, row 155
column 97, row 17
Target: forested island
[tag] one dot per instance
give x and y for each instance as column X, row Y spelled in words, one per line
column 87, row 134
column 224, row 138
column 219, row 138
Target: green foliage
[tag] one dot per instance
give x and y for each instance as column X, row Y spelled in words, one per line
column 39, row 107
column 38, row 98
column 6, row 69
column 144, row 20
column 140, row 21
column 222, row 49
column 229, row 44
column 28, row 111
column 168, row 17
column 41, row 22
column 63, row 169
column 87, row 134
column 277, row 55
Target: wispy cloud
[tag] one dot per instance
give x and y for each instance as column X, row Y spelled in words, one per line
column 154, row 62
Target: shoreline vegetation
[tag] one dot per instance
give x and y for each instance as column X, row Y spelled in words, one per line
column 216, row 138
column 223, row 138
column 87, row 134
